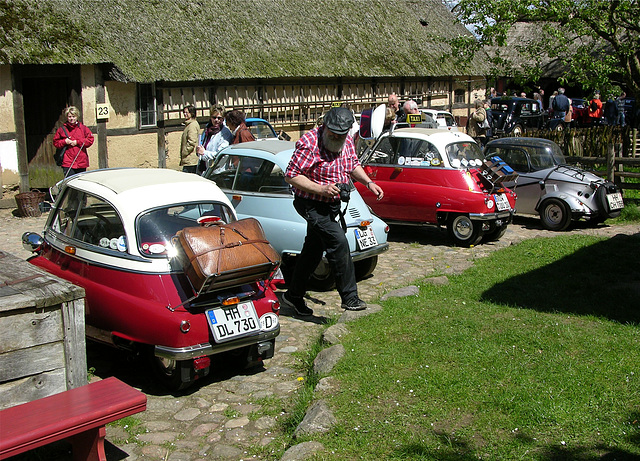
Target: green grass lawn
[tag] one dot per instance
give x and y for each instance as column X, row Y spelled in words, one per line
column 531, row 354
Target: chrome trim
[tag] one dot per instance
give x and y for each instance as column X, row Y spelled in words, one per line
column 490, row 216
column 359, row 255
column 189, row 352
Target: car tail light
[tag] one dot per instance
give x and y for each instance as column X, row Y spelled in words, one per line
column 237, row 198
column 231, row 301
column 185, row 326
column 70, row 250
column 386, row 229
column 200, row 363
column 275, row 305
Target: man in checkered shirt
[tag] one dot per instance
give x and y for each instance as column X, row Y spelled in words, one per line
column 323, row 158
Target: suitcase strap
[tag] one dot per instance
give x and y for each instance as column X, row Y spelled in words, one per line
column 232, row 245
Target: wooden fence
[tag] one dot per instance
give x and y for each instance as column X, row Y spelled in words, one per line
column 613, row 147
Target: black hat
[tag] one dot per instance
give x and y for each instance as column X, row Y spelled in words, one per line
column 339, row 120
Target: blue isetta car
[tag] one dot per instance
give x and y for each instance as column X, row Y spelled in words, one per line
column 251, row 174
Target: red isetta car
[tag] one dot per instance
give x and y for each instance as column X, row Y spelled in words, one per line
column 439, row 177
column 110, row 232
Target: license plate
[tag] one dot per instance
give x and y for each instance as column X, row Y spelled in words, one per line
column 365, row 238
column 502, row 202
column 233, row 322
column 615, row 201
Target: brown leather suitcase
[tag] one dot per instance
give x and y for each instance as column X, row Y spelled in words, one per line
column 225, row 255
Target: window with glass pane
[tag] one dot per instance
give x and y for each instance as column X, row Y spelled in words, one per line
column 147, row 95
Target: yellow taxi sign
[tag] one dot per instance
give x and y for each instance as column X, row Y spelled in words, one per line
column 413, row 119
column 337, row 104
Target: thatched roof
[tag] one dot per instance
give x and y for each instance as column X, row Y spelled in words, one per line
column 184, row 40
column 527, row 46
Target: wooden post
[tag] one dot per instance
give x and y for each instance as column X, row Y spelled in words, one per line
column 162, row 151
column 611, row 159
column 103, row 154
column 21, row 134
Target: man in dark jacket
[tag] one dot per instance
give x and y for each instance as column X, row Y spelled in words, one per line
column 560, row 104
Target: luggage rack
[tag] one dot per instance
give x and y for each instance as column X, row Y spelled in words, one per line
column 237, row 277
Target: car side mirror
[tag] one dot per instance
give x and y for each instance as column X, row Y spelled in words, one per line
column 32, row 241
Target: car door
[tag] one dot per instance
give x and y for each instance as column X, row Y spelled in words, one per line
column 408, row 170
column 530, row 114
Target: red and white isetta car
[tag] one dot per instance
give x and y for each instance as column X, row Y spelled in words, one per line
column 110, row 232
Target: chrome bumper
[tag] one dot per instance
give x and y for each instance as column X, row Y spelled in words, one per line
column 491, row 216
column 189, row 352
column 360, row 255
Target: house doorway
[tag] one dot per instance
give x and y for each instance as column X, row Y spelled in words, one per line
column 46, row 92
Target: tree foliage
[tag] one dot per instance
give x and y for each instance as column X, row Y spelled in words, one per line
column 595, row 42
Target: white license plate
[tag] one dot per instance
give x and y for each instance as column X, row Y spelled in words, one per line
column 233, row 322
column 615, row 201
column 502, row 202
column 365, row 238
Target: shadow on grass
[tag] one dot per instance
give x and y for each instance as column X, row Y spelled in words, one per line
column 602, row 280
column 457, row 449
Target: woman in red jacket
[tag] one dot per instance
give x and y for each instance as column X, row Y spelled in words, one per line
column 76, row 138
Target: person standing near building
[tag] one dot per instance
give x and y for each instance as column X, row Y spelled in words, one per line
column 188, row 156
column 560, row 104
column 324, row 158
column 595, row 108
column 478, row 124
column 620, row 103
column 235, row 121
column 75, row 138
column 215, row 137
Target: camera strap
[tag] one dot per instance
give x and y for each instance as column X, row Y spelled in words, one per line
column 343, row 223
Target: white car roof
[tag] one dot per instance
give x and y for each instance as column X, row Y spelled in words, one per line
column 434, row 135
column 132, row 190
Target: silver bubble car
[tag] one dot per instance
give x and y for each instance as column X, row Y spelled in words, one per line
column 549, row 188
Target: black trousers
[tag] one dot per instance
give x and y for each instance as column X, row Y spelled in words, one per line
column 324, row 234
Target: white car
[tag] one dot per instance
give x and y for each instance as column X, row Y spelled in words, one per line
column 443, row 118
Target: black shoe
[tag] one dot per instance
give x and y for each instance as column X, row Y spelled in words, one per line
column 354, row 304
column 298, row 304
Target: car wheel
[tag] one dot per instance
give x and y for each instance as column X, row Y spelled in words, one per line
column 323, row 278
column 365, row 267
column 517, row 130
column 463, row 231
column 170, row 372
column 555, row 215
column 494, row 234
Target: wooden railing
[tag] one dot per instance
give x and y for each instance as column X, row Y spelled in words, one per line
column 592, row 148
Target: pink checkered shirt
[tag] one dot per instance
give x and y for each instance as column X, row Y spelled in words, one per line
column 311, row 160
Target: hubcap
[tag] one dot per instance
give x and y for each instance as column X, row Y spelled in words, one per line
column 554, row 214
column 463, row 227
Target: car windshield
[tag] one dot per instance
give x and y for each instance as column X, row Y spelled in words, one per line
column 546, row 157
column 464, row 155
column 156, row 227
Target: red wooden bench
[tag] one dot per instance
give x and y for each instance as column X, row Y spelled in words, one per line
column 79, row 415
